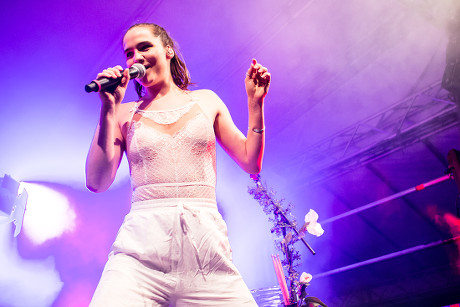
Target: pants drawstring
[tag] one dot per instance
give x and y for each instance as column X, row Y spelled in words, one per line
column 186, row 230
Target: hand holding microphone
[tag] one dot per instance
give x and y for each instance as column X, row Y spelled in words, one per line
column 101, row 84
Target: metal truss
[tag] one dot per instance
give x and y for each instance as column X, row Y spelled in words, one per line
column 411, row 120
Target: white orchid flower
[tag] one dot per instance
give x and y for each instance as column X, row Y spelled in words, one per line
column 312, row 225
column 305, row 278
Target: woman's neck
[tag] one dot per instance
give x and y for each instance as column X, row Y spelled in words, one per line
column 157, row 92
column 154, row 94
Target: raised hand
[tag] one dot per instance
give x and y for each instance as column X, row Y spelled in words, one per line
column 114, row 96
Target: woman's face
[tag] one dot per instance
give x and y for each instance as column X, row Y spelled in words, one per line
column 141, row 46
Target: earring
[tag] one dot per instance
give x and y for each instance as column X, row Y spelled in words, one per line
column 170, row 52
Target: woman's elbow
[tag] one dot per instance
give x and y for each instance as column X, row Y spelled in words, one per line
column 253, row 169
column 96, row 185
column 255, row 166
column 94, row 188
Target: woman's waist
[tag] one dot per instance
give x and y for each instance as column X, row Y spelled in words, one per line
column 185, row 190
column 174, row 202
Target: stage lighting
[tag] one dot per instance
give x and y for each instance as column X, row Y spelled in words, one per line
column 49, row 213
column 12, row 203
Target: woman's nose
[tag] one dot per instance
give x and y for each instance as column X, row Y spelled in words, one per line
column 138, row 58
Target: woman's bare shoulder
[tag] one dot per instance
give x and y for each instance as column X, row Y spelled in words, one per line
column 209, row 102
column 126, row 106
column 204, row 93
column 207, row 97
column 125, row 111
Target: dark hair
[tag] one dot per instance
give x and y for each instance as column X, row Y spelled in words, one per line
column 179, row 70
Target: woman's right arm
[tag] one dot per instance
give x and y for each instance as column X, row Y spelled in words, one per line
column 107, row 147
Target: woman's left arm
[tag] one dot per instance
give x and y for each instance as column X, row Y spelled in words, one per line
column 248, row 150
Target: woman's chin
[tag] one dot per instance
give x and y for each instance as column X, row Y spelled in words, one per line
column 144, row 82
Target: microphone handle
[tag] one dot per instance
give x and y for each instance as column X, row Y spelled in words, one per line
column 105, row 83
column 101, row 84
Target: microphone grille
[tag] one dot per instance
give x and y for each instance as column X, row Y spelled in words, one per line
column 140, row 69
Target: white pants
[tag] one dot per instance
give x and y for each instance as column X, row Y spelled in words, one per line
column 172, row 252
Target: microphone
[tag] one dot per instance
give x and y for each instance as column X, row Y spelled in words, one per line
column 135, row 71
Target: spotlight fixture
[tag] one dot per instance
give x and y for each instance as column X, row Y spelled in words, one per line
column 12, row 203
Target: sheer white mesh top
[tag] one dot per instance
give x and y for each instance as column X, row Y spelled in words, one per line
column 172, row 154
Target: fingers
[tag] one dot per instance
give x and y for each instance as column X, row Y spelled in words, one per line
column 249, row 73
column 111, row 72
column 258, row 73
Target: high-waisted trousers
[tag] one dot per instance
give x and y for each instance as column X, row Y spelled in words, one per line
column 172, row 252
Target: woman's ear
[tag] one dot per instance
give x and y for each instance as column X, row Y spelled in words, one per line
column 169, row 52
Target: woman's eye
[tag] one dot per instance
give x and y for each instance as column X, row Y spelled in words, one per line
column 129, row 55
